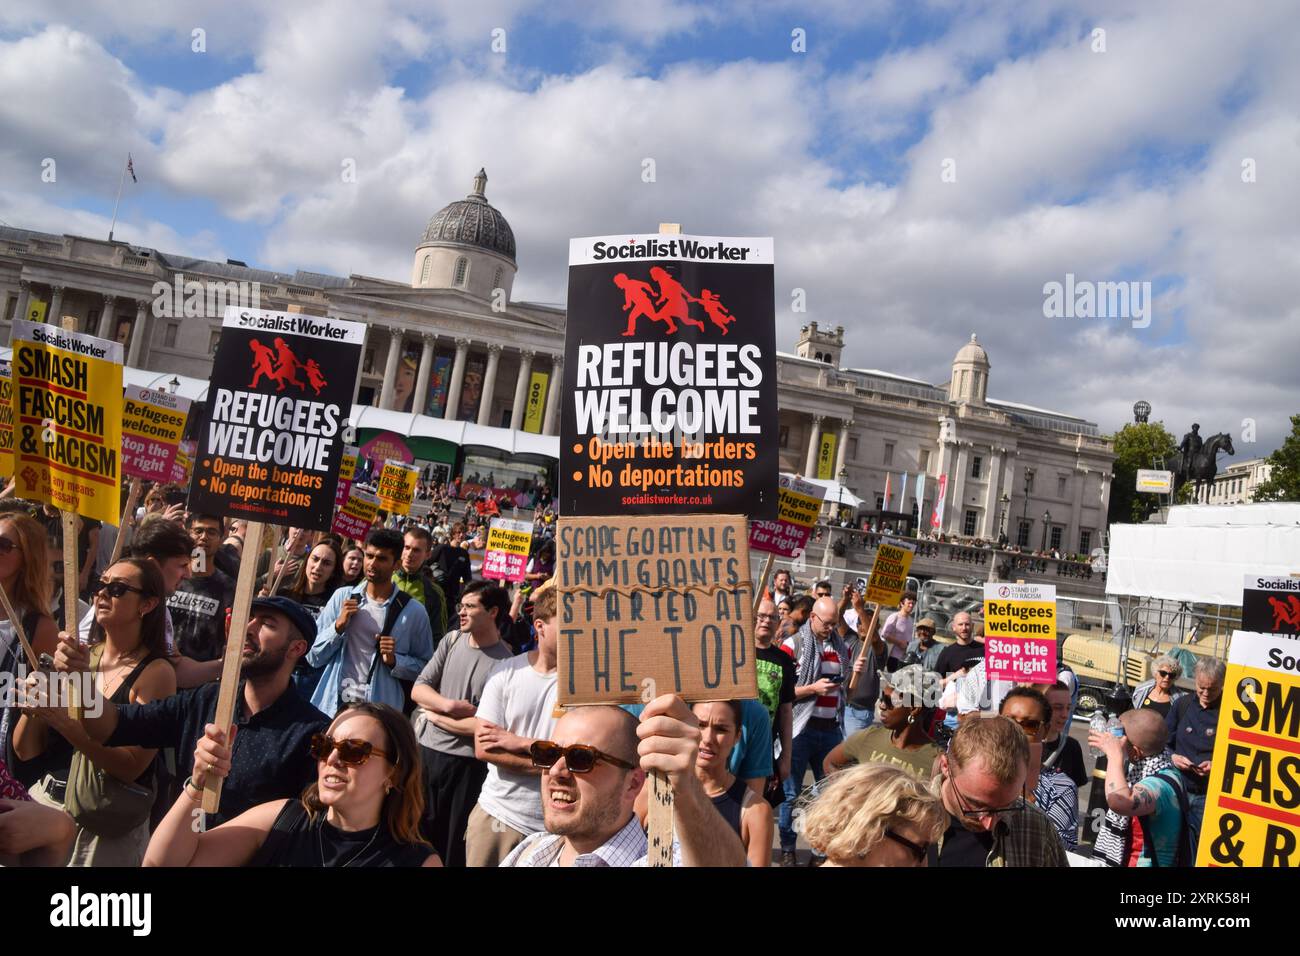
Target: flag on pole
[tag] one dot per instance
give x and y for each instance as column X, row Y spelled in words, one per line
column 902, row 494
column 130, row 168
column 888, row 495
column 920, row 492
column 936, row 517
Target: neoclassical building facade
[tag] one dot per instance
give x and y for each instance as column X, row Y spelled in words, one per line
column 452, row 344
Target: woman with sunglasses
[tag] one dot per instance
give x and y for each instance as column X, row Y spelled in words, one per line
column 901, row 739
column 1053, row 792
column 26, row 582
column 873, row 815
column 129, row 662
column 1160, row 692
column 363, row 810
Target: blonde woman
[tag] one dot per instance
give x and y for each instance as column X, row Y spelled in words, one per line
column 25, row 577
column 1160, row 692
column 874, row 815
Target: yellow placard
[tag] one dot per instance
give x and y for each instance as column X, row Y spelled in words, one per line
column 535, row 403
column 348, row 466
column 798, row 509
column 889, row 573
column 67, row 411
column 6, row 421
column 1252, row 808
column 397, row 487
column 826, row 457
column 512, row 537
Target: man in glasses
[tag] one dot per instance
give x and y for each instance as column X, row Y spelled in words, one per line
column 1192, row 723
column 591, row 775
column 270, row 758
column 983, row 783
column 776, row 683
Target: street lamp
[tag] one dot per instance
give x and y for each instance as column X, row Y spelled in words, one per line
column 843, row 476
column 1005, row 500
column 1047, row 520
column 1024, row 518
column 173, row 385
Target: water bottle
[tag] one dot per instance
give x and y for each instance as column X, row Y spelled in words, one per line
column 1114, row 727
column 1098, row 725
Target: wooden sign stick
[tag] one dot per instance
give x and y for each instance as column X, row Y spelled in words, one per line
column 239, row 614
column 284, row 565
column 763, row 579
column 71, row 573
column 866, row 643
column 128, row 515
column 32, row 660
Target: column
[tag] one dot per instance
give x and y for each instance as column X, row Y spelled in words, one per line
column 55, row 316
column 842, row 446
column 521, row 389
column 421, row 400
column 457, row 380
column 810, row 462
column 137, row 334
column 105, row 318
column 24, row 297
column 361, row 361
column 955, row 510
column 1070, row 541
column 551, row 424
column 390, row 368
column 989, row 525
column 489, row 384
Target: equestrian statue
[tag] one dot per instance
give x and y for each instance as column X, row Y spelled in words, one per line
column 1196, row 461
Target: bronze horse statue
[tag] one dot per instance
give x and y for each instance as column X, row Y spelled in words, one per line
column 1203, row 467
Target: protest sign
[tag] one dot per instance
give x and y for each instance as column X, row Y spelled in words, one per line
column 889, row 574
column 1020, row 632
column 664, row 600
column 281, row 391
column 183, row 463
column 1152, row 482
column 152, row 425
column 1252, row 808
column 397, row 486
column 1270, row 604
column 357, row 515
column 67, row 412
column 663, row 413
column 347, row 471
column 6, row 420
column 798, row 504
column 508, row 544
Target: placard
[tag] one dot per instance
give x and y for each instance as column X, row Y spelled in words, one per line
column 508, row 545
column 67, row 413
column 1154, row 482
column 1020, row 632
column 396, row 487
column 670, row 377
column 281, row 391
column 1252, row 807
column 889, row 574
column 1270, row 604
column 183, row 463
column 799, row 503
column 153, row 422
column 357, row 515
column 662, row 600
column 6, row 420
column 347, row 471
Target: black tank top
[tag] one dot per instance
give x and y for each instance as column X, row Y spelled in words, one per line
column 296, row 840
column 122, row 696
column 730, row 804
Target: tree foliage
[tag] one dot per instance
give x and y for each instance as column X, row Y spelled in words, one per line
column 1284, row 483
column 1137, row 446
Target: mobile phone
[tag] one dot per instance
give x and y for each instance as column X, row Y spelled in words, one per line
column 860, row 585
column 836, row 678
column 176, row 496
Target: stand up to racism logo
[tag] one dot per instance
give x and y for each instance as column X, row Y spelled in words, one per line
column 670, row 353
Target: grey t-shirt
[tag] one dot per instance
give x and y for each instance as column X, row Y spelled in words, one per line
column 458, row 670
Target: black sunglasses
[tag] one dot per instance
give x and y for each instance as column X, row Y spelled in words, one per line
column 919, row 851
column 114, row 589
column 7, row 546
column 1161, row 673
column 579, row 758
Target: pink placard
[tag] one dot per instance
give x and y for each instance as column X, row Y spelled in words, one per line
column 778, row 537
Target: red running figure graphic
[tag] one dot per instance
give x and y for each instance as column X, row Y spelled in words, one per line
column 1284, row 615
column 263, row 359
column 314, row 375
column 717, row 312
column 673, row 297
column 637, row 297
column 287, row 366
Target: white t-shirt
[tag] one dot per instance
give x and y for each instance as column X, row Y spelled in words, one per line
column 522, row 701
column 362, row 646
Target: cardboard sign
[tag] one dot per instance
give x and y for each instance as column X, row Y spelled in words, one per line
column 889, row 573
column 662, row 600
column 347, row 470
column 535, row 403
column 508, row 545
column 670, row 365
column 152, row 425
column 1020, row 632
column 279, row 399
column 6, row 420
column 67, row 412
column 826, row 456
column 1252, row 808
column 396, row 487
column 357, row 515
column 798, row 504
column 1155, row 482
column 1271, row 605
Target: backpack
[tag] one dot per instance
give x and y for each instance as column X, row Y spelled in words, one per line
column 1183, row 857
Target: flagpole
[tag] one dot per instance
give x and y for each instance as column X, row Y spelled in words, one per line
column 121, row 179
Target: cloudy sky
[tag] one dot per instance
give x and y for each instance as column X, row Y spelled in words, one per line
column 925, row 167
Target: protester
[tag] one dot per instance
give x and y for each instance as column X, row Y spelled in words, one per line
column 448, row 691
column 1051, row 790
column 353, row 565
column 31, row 833
column 111, row 789
column 413, row 578
column 1142, row 784
column 1192, row 723
column 924, row 649
column 780, row 590
column 1060, row 750
column 363, row 809
column 199, row 604
column 775, row 673
column 958, row 658
column 518, row 708
column 822, row 589
column 898, row 631
column 860, row 705
column 451, row 565
column 983, row 789
column 370, row 638
column 317, row 579
column 873, row 815
column 902, row 739
column 821, row 657
column 592, row 774
column 1160, row 693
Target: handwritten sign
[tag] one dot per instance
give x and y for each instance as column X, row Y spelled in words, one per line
column 665, row 600
column 1020, row 632
column 397, row 487
column 152, row 425
column 889, row 574
column 798, row 504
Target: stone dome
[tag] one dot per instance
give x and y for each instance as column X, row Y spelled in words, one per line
column 472, row 221
column 972, row 353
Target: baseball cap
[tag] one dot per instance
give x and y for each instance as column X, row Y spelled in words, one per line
column 297, row 615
